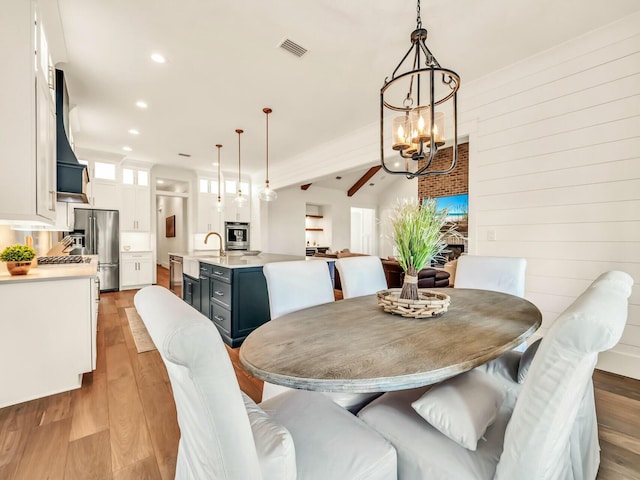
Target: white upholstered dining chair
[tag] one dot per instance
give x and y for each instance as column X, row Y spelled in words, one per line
column 296, row 285
column 499, row 274
column 361, row 275
column 547, row 430
column 224, row 435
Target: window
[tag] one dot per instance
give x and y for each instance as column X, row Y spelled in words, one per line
column 135, row 177
column 143, row 178
column 230, row 187
column 208, row 186
column 127, row 176
column 104, row 171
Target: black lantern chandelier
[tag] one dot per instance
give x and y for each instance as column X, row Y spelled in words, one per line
column 418, row 86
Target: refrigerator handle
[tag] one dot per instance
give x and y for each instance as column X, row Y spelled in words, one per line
column 91, row 235
column 95, row 235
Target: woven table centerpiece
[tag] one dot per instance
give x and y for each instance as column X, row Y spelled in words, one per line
column 430, row 303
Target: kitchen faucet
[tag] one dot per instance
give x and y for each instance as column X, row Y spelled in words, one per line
column 222, row 252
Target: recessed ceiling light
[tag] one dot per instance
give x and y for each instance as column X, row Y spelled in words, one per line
column 159, row 182
column 141, row 104
column 371, row 184
column 127, row 148
column 338, row 178
column 156, row 57
column 397, row 164
column 133, row 131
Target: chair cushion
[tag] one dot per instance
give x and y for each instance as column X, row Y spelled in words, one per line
column 274, row 444
column 526, row 359
column 462, row 407
column 330, row 442
column 423, row 452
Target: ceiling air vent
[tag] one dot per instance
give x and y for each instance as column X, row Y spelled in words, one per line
column 293, row 47
column 184, row 155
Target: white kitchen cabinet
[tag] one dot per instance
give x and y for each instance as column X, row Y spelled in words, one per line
column 209, row 219
column 136, row 269
column 233, row 213
column 45, row 349
column 135, row 212
column 27, row 117
column 105, row 195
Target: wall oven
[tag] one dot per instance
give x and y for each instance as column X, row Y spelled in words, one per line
column 236, row 235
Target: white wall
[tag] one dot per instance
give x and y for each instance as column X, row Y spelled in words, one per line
column 554, row 171
column 286, row 217
column 167, row 206
column 402, row 189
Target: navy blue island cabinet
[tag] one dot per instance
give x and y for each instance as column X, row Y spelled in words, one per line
column 234, row 299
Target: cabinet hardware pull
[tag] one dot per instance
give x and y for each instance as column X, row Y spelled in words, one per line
column 220, row 294
column 218, row 273
column 219, row 318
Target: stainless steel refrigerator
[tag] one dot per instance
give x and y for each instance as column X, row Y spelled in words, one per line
column 99, row 232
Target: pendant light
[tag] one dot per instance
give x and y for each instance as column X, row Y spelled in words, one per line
column 414, row 91
column 240, row 199
column 219, row 205
column 266, row 194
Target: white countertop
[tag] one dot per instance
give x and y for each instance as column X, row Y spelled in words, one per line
column 243, row 261
column 52, row 272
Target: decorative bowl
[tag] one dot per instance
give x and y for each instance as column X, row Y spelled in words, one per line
column 430, row 303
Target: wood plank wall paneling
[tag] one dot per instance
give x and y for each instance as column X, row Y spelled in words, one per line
column 554, row 170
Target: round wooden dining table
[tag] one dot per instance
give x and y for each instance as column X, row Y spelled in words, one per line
column 354, row 346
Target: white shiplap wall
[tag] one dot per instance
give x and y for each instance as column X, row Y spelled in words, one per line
column 555, row 171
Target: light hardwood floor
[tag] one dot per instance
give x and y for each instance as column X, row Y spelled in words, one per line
column 122, row 423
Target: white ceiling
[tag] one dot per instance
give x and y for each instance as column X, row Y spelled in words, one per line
column 224, row 65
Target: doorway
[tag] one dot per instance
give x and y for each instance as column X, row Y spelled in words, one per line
column 171, row 219
column 363, row 230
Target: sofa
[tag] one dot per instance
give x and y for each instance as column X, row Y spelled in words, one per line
column 427, row 277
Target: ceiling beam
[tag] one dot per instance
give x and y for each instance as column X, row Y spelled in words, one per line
column 364, row 179
column 305, row 186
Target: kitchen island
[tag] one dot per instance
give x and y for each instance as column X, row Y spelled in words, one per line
column 231, row 290
column 47, row 330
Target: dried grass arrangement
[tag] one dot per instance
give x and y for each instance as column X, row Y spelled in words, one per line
column 419, row 232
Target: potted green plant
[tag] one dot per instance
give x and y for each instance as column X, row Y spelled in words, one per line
column 18, row 258
column 419, row 232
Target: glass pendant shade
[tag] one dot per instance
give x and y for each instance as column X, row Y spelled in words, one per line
column 422, row 130
column 240, row 200
column 267, row 194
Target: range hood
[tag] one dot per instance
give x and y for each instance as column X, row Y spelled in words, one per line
column 72, row 176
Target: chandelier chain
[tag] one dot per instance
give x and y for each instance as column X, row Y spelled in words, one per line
column 267, row 177
column 418, row 19
column 218, row 146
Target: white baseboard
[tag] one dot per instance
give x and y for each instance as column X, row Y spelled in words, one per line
column 165, row 265
column 620, row 363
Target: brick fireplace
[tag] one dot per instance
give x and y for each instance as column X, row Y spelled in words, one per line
column 454, row 183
